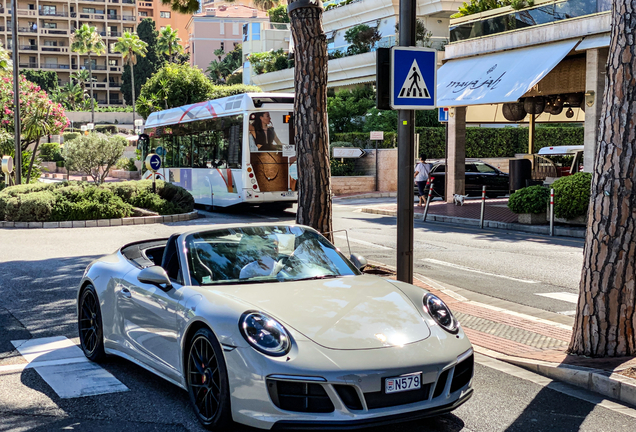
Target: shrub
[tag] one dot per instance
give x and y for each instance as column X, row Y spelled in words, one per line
column 572, row 195
column 344, row 168
column 67, row 136
column 532, row 199
column 111, row 129
column 88, row 202
column 50, row 152
column 33, row 207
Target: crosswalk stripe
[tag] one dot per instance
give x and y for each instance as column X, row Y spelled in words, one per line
column 563, row 296
column 65, row 369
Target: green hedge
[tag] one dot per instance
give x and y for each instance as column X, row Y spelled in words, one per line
column 480, row 142
column 572, row 195
column 532, row 199
column 44, row 202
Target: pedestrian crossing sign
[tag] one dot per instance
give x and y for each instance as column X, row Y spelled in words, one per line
column 413, row 78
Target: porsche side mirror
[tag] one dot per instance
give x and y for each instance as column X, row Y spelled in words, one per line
column 358, row 260
column 155, row 275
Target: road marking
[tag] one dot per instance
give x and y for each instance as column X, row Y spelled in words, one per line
column 459, row 267
column 563, row 296
column 65, row 368
column 351, row 239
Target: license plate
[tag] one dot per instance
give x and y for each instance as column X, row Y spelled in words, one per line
column 287, row 194
column 403, row 383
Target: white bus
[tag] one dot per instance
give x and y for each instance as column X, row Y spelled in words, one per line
column 228, row 151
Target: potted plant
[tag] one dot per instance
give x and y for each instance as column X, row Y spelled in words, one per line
column 572, row 198
column 530, row 204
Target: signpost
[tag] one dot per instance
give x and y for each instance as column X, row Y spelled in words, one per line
column 153, row 163
column 348, row 152
column 377, row 136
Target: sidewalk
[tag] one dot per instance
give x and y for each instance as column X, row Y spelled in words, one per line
column 536, row 340
column 496, row 214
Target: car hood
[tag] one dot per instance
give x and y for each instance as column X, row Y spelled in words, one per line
column 354, row 312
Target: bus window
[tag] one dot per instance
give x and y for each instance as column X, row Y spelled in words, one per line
column 268, row 131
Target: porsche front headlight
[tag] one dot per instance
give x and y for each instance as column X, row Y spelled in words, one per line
column 442, row 315
column 264, row 333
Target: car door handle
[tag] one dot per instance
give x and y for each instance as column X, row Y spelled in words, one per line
column 125, row 293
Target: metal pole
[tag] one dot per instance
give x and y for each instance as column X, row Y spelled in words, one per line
column 429, row 183
column 377, row 183
column 406, row 149
column 483, row 206
column 16, row 93
column 551, row 212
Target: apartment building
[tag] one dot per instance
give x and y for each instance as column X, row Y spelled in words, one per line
column 220, row 27
column 45, row 28
column 163, row 16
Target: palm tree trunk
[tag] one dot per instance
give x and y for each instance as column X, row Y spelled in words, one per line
column 90, row 82
column 132, row 80
column 310, row 119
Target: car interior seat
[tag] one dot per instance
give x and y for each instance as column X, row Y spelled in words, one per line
column 170, row 259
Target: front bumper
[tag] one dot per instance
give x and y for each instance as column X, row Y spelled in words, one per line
column 364, row 371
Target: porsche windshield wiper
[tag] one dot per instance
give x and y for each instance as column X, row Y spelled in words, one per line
column 314, row 278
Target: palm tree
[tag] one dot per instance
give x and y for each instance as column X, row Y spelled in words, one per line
column 168, row 42
column 82, row 77
column 87, row 41
column 265, row 5
column 186, row 7
column 130, row 46
column 72, row 95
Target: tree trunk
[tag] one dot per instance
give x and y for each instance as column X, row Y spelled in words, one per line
column 310, row 118
column 132, row 79
column 90, row 82
column 605, row 323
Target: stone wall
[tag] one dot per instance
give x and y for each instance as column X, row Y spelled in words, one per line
column 352, row 184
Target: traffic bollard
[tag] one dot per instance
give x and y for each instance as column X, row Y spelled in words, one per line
column 483, row 206
column 428, row 198
column 552, row 212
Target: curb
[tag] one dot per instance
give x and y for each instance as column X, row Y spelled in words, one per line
column 534, row 229
column 608, row 384
column 368, row 195
column 145, row 220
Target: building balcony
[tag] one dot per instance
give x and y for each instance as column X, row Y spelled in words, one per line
column 55, row 66
column 113, row 34
column 113, row 17
column 129, row 18
column 54, row 32
column 27, row 12
column 28, row 65
column 99, row 86
column 114, row 85
column 26, row 30
column 92, row 17
column 128, row 1
column 505, row 19
column 115, row 102
column 114, row 68
column 28, row 47
column 53, row 14
column 1, row 28
column 91, row 1
column 59, row 49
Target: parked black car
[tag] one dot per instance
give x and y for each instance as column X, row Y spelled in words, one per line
column 478, row 174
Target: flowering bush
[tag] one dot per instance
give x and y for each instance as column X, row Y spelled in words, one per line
column 40, row 116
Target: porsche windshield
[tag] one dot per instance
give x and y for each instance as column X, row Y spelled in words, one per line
column 263, row 254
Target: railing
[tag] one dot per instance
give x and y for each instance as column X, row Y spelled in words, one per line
column 98, row 85
column 129, row 18
column 54, row 49
column 55, row 14
column 97, row 67
column 54, row 31
column 115, row 68
column 128, row 1
column 113, row 17
column 97, row 1
column 116, row 102
column 516, row 20
column 113, row 1
column 28, row 47
column 27, row 12
column 28, row 65
column 277, row 26
column 26, row 30
column 54, row 66
column 113, row 34
column 95, row 16
column 114, row 84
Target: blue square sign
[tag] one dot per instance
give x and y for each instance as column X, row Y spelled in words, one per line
column 413, row 78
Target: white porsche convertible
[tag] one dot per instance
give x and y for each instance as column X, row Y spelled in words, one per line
column 271, row 326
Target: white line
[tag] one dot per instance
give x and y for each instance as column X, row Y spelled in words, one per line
column 563, row 296
column 351, row 239
column 65, row 368
column 22, row 366
column 440, row 287
column 459, row 267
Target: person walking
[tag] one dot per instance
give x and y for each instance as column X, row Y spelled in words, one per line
column 422, row 170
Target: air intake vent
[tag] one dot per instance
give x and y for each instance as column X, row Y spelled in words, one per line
column 463, row 373
column 299, row 396
column 349, row 396
column 441, row 383
column 382, row 400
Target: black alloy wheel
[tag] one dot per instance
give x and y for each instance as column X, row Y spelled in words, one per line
column 207, row 381
column 90, row 325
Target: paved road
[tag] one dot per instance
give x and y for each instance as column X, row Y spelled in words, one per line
column 39, row 270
